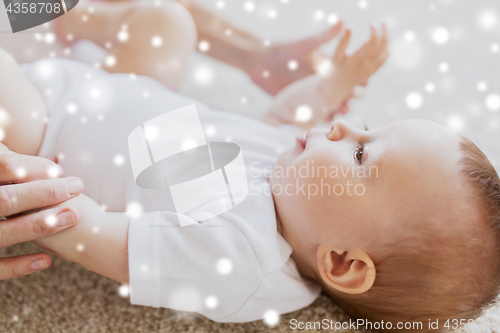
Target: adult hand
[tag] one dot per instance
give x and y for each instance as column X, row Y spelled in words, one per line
column 28, row 185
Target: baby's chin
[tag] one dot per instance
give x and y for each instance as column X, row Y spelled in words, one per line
column 287, row 158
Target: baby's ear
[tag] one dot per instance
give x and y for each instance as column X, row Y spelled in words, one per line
column 350, row 271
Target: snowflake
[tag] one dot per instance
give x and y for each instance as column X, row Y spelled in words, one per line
column 441, row 35
column 204, row 46
column 332, row 18
column 224, row 266
column 444, row 67
column 151, row 132
column 210, row 130
column 156, row 41
column 430, row 87
column 414, row 100
column 303, row 113
column 211, row 302
column 363, row 4
column 123, row 36
column 119, row 160
column 54, row 171
column 72, row 108
column 123, row 290
column 249, row 6
column 50, row 220
column 203, row 75
column 110, row 61
column 49, row 38
column 134, row 209
column 319, row 15
column 493, row 102
column 487, row 20
column 20, row 172
column 456, row 122
column 482, row 86
column 271, row 317
column 409, row 36
column 220, row 4
column 293, row 65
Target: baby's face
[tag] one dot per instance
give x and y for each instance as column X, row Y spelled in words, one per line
column 354, row 187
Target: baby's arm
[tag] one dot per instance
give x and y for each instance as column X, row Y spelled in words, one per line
column 98, row 242
column 317, row 97
column 22, row 108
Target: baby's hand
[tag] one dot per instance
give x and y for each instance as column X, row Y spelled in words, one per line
column 350, row 71
column 328, row 93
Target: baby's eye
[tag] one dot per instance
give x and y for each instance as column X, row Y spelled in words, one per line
column 358, row 153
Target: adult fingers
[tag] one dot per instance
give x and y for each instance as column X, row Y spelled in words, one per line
column 15, row 168
column 309, row 44
column 19, row 198
column 36, row 225
column 342, row 47
column 12, row 267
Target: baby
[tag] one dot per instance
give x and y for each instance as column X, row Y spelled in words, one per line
column 398, row 224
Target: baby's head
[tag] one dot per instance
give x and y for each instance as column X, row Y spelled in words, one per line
column 400, row 223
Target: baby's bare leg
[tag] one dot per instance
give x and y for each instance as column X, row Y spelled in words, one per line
column 98, row 241
column 145, row 38
column 22, row 109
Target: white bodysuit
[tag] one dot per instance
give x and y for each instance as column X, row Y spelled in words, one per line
column 234, row 267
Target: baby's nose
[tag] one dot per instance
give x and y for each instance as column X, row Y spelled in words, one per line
column 335, row 133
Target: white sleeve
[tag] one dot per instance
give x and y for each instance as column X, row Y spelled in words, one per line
column 208, row 267
column 281, row 291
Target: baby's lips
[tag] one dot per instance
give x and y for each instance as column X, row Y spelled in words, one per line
column 302, row 139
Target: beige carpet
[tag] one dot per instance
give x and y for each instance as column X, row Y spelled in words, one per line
column 68, row 298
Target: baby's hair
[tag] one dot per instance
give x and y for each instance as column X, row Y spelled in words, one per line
column 434, row 275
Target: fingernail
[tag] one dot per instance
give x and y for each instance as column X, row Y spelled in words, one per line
column 65, row 218
column 39, row 264
column 74, row 186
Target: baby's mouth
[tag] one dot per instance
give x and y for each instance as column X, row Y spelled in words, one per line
column 302, row 139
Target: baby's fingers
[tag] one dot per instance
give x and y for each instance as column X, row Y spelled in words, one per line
column 372, row 47
column 383, row 51
column 339, row 53
column 383, row 57
column 384, row 39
